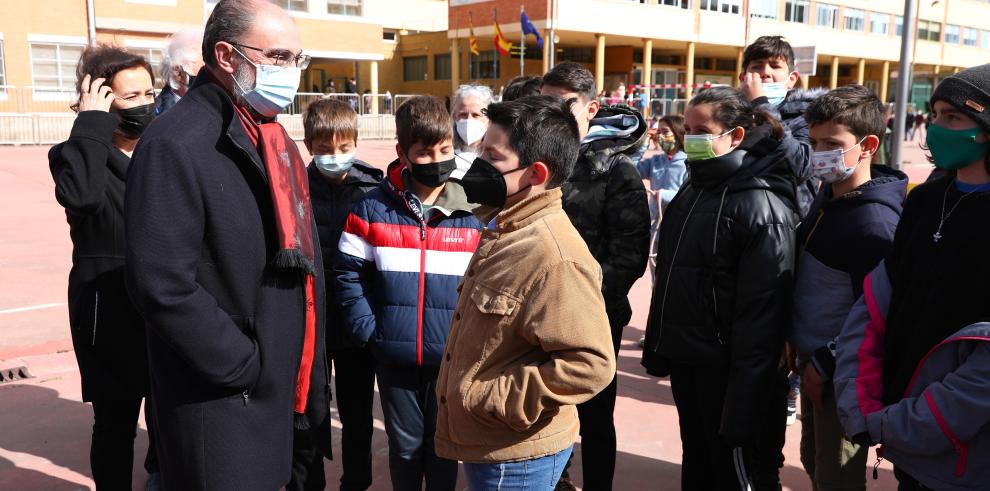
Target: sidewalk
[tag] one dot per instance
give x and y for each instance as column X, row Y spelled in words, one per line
column 44, row 443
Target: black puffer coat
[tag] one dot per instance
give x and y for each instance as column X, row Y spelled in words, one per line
column 108, row 334
column 725, row 275
column 606, row 201
column 331, row 205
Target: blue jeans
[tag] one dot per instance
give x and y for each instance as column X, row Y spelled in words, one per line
column 539, row 474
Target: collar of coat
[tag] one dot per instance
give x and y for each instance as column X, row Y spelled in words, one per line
column 453, row 198
column 524, row 212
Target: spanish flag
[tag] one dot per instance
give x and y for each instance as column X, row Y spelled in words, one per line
column 472, row 41
column 501, row 44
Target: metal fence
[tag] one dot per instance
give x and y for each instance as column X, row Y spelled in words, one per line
column 41, row 116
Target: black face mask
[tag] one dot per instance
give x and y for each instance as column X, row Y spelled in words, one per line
column 133, row 121
column 434, row 174
column 485, row 185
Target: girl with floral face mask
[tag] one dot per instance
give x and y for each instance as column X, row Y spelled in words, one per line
column 665, row 172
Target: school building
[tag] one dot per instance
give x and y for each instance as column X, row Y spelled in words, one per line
column 675, row 45
column 393, row 48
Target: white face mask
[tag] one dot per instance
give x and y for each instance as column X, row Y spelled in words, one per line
column 334, row 165
column 775, row 92
column 830, row 165
column 471, row 130
column 274, row 87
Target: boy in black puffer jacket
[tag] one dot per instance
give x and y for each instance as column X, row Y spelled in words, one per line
column 606, row 201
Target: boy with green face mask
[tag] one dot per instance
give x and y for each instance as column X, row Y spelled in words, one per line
column 936, row 272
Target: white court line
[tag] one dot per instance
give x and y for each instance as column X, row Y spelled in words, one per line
column 29, row 308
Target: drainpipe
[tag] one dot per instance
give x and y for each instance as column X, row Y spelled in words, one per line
column 91, row 20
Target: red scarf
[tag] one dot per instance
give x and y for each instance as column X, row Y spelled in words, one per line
column 289, row 186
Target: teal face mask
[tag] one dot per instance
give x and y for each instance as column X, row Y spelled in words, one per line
column 699, row 147
column 955, row 149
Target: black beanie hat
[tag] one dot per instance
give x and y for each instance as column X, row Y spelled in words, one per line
column 968, row 91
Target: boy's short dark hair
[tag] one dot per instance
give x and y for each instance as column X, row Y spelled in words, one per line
column 327, row 119
column 522, row 86
column 574, row 77
column 852, row 106
column 422, row 119
column 540, row 128
column 769, row 47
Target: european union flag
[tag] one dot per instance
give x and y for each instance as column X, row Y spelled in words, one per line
column 529, row 28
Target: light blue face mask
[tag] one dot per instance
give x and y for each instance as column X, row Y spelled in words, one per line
column 334, row 166
column 274, row 87
column 775, row 92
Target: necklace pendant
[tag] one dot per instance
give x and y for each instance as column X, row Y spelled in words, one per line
column 937, row 237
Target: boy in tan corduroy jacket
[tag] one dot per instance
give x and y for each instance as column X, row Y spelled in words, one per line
column 530, row 338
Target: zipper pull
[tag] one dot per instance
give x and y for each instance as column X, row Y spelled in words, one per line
column 876, row 466
column 245, row 395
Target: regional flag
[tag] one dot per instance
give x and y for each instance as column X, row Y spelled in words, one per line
column 501, row 44
column 472, row 41
column 529, row 28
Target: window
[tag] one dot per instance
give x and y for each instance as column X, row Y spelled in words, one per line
column 931, row 31
column 899, row 25
column 684, row 4
column 765, row 9
column 725, row 6
column 879, row 23
column 951, row 34
column 3, row 72
column 725, row 65
column 969, row 36
column 292, row 5
column 855, row 19
column 581, row 55
column 441, row 67
column 414, row 68
column 827, row 16
column 985, row 39
column 344, row 7
column 484, row 66
column 390, row 37
column 53, row 66
column 797, row 11
column 154, row 57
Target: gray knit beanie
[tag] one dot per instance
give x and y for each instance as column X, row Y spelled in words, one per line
column 968, row 91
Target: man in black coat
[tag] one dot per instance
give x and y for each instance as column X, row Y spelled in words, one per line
column 228, row 317
column 606, row 201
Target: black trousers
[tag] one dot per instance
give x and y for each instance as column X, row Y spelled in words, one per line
column 907, row 483
column 111, row 453
column 708, row 462
column 354, row 383
column 409, row 404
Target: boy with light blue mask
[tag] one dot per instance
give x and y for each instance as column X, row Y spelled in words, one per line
column 768, row 79
column 336, row 181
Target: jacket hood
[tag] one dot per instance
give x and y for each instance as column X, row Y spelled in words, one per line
column 759, row 162
column 452, row 199
column 798, row 100
column 623, row 131
column 887, row 187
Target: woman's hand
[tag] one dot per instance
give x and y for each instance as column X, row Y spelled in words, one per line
column 95, row 96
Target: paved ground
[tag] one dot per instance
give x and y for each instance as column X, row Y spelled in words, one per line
column 44, row 440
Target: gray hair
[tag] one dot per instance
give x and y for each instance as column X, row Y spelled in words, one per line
column 481, row 92
column 183, row 48
column 230, row 20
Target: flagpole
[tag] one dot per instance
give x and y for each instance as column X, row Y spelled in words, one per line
column 522, row 43
column 495, row 49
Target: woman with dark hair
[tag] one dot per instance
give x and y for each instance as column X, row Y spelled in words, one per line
column 665, row 172
column 722, row 293
column 116, row 102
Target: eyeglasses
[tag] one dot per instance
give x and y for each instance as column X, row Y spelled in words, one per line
column 282, row 57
